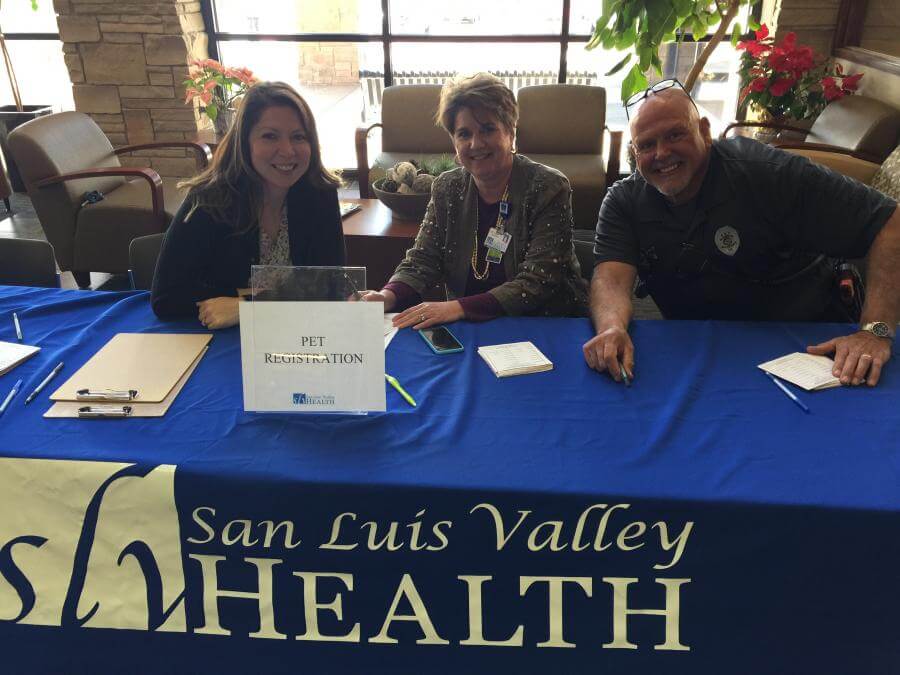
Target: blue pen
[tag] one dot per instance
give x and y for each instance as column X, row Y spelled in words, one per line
column 788, row 392
column 9, row 396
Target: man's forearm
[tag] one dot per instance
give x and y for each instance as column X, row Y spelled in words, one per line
column 610, row 302
column 883, row 275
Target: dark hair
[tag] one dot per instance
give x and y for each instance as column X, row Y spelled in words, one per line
column 230, row 188
column 481, row 91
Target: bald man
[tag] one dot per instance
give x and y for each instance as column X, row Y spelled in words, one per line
column 738, row 230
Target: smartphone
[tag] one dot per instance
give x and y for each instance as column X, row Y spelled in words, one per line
column 441, row 340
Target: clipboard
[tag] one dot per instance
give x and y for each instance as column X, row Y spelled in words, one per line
column 144, row 366
column 136, row 409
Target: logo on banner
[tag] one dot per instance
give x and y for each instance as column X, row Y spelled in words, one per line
column 99, row 545
column 311, row 399
column 115, row 536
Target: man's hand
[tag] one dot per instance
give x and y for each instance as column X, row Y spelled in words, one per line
column 857, row 357
column 218, row 313
column 428, row 314
column 605, row 351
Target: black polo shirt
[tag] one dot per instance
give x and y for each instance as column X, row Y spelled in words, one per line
column 755, row 242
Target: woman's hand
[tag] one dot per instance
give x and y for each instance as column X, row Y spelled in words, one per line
column 218, row 313
column 428, row 314
column 385, row 296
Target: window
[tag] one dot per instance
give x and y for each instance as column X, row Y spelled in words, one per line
column 36, row 54
column 340, row 54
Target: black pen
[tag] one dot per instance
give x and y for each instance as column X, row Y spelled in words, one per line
column 37, row 390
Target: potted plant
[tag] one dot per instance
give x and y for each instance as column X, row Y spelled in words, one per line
column 12, row 116
column 217, row 88
column 789, row 83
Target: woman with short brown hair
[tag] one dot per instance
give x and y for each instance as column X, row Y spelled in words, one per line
column 497, row 233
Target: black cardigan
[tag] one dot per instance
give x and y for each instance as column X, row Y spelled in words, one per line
column 205, row 258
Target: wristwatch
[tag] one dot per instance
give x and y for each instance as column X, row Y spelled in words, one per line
column 879, row 329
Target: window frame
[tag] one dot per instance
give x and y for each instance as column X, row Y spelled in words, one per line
column 387, row 38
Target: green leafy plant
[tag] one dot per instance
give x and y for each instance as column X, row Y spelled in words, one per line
column 640, row 27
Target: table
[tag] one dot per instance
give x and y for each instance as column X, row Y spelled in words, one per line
column 420, row 540
column 377, row 240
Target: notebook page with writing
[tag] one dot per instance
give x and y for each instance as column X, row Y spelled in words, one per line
column 516, row 358
column 13, row 353
column 807, row 371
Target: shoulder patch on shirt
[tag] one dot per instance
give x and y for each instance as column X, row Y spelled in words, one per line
column 727, row 239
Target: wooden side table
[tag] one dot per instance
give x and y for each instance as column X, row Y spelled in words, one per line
column 377, row 240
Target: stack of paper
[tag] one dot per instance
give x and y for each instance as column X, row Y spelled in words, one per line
column 808, row 371
column 13, row 353
column 516, row 358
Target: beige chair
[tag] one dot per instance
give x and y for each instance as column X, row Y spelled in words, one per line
column 142, row 256
column 407, row 131
column 841, row 160
column 562, row 125
column 64, row 157
column 868, row 127
column 27, row 262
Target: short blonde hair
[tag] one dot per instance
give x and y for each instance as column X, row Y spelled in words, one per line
column 481, row 91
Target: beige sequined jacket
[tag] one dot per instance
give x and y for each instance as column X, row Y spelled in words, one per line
column 543, row 274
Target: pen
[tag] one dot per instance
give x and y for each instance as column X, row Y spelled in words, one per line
column 18, row 327
column 396, row 385
column 788, row 392
column 626, row 378
column 37, row 390
column 9, row 396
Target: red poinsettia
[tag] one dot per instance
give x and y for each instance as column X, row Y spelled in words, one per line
column 790, row 80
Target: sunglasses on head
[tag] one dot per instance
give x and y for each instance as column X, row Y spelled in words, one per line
column 662, row 85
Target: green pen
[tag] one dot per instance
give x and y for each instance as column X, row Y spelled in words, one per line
column 400, row 390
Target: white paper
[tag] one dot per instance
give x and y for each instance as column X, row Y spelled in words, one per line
column 807, row 371
column 13, row 353
column 312, row 356
column 515, row 358
column 389, row 330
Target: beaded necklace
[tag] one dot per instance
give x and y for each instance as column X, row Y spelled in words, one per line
column 501, row 217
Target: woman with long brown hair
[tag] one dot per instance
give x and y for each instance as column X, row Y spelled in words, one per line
column 266, row 199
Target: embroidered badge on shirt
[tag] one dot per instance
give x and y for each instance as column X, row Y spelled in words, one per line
column 727, row 239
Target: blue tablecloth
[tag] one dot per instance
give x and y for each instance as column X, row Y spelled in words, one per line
column 558, row 502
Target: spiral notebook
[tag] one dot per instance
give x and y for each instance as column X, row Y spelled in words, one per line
column 809, row 371
column 515, row 358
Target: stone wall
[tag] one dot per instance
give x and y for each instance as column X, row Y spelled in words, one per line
column 126, row 60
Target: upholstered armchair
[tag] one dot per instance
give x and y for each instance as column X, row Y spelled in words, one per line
column 562, row 126
column 407, row 130
column 841, row 160
column 868, row 127
column 63, row 158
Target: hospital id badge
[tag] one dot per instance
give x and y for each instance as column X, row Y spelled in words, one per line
column 493, row 255
column 497, row 240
